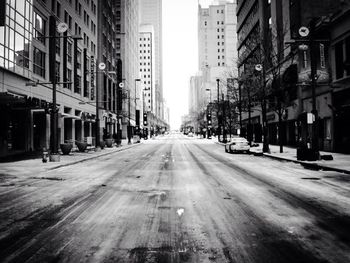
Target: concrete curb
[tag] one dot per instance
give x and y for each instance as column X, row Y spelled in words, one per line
column 308, row 165
column 92, row 157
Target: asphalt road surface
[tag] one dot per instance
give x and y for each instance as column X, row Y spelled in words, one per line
column 176, row 199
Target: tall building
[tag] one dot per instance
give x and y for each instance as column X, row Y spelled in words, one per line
column 270, row 27
column 108, row 52
column 151, row 14
column 217, row 43
column 217, row 35
column 24, row 64
column 147, row 66
column 217, row 56
column 129, row 33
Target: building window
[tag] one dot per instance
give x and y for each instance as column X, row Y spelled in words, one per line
column 39, row 62
column 79, row 59
column 347, row 56
column 69, row 51
column 77, row 88
column 58, row 9
column 322, row 57
column 328, row 128
column 69, row 79
column 58, row 46
column 57, row 72
column 339, row 60
column 39, row 28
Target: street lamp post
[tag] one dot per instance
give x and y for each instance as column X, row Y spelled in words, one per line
column 240, row 106
column 218, row 109
column 61, row 28
column 129, row 124
column 209, row 121
column 137, row 120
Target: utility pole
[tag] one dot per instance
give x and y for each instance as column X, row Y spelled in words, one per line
column 240, row 106
column 218, row 109
column 54, row 156
column 313, row 65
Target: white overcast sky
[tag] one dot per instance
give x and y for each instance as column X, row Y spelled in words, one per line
column 180, row 54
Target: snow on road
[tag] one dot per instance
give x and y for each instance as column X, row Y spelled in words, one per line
column 176, row 199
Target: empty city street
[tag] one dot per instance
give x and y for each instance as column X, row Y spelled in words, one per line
column 175, row 199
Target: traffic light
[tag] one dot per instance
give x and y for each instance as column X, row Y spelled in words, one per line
column 145, row 119
column 209, row 118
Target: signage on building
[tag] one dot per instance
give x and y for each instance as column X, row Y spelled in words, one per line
column 92, row 71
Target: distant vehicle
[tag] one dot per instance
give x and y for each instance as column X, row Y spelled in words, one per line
column 190, row 134
column 238, row 144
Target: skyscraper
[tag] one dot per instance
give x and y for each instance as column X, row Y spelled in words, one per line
column 151, row 14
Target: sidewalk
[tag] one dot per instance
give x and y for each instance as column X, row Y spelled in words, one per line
column 36, row 165
column 340, row 162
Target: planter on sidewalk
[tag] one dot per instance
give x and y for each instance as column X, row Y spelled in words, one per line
column 66, row 148
column 81, row 146
column 109, row 142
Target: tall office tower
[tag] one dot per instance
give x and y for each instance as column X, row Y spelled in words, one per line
column 147, row 66
column 217, row 40
column 108, row 52
column 151, row 14
column 128, row 31
column 217, row 45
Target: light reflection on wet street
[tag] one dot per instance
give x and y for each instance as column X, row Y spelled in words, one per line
column 176, row 199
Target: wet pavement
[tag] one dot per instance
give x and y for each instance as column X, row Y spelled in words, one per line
column 175, row 199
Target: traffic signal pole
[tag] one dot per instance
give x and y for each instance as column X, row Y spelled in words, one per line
column 54, row 155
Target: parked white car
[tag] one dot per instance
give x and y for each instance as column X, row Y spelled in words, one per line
column 238, row 144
